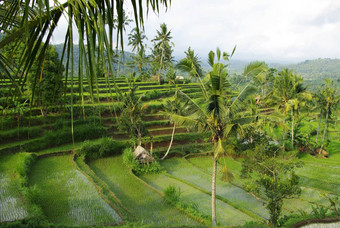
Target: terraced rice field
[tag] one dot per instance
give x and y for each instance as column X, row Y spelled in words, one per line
column 235, row 196
column 12, row 206
column 308, row 195
column 144, row 203
column 67, row 196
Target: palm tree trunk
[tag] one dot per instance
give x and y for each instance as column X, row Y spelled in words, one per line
column 213, row 193
column 160, row 67
column 317, row 134
column 283, row 135
column 325, row 129
column 292, row 132
column 172, row 139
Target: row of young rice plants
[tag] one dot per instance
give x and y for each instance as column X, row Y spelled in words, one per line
column 323, row 177
column 145, row 204
column 67, row 197
column 12, row 206
column 226, row 214
column 308, row 195
column 231, row 194
column 102, row 88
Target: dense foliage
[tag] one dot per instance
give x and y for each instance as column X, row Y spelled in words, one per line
column 274, row 174
column 138, row 168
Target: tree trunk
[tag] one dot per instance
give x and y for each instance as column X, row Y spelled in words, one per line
column 160, row 67
column 151, row 146
column 172, row 139
column 213, row 193
column 292, row 132
column 325, row 129
column 283, row 135
column 317, row 134
column 139, row 138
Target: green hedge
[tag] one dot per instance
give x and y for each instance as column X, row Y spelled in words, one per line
column 138, row 168
column 29, row 193
column 64, row 136
column 103, row 148
column 21, row 133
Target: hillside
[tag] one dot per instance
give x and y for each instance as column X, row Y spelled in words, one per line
column 59, row 49
column 318, row 68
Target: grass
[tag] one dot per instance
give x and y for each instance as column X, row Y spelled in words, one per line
column 67, row 197
column 11, row 206
column 143, row 202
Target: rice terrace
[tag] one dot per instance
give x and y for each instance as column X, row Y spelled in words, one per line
column 112, row 127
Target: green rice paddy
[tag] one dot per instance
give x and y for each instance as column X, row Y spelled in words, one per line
column 144, row 203
column 67, row 196
column 12, row 206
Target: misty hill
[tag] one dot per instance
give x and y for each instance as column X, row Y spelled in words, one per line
column 310, row 69
column 318, row 68
column 59, row 49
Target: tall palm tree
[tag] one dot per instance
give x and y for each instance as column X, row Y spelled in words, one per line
column 217, row 111
column 162, row 48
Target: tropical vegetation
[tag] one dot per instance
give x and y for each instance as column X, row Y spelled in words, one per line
column 94, row 137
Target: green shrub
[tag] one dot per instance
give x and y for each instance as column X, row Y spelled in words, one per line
column 24, row 132
column 62, row 123
column 109, row 147
column 30, row 194
column 89, row 150
column 136, row 167
column 63, row 136
column 172, row 194
column 25, row 163
column 105, row 147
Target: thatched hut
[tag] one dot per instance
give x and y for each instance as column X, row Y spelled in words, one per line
column 143, row 155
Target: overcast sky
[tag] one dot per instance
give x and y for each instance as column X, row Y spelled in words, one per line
column 270, row 30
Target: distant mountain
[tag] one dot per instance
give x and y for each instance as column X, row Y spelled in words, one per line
column 59, row 49
column 318, row 68
column 310, row 69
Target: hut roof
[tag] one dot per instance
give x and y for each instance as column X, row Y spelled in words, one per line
column 142, row 155
column 139, row 151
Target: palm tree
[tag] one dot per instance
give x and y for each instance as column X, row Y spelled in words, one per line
column 288, row 91
column 162, row 48
column 136, row 40
column 174, row 107
column 140, row 60
column 36, row 21
column 192, row 65
column 328, row 98
column 217, row 111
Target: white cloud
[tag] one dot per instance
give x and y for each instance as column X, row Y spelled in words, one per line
column 266, row 29
column 262, row 29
